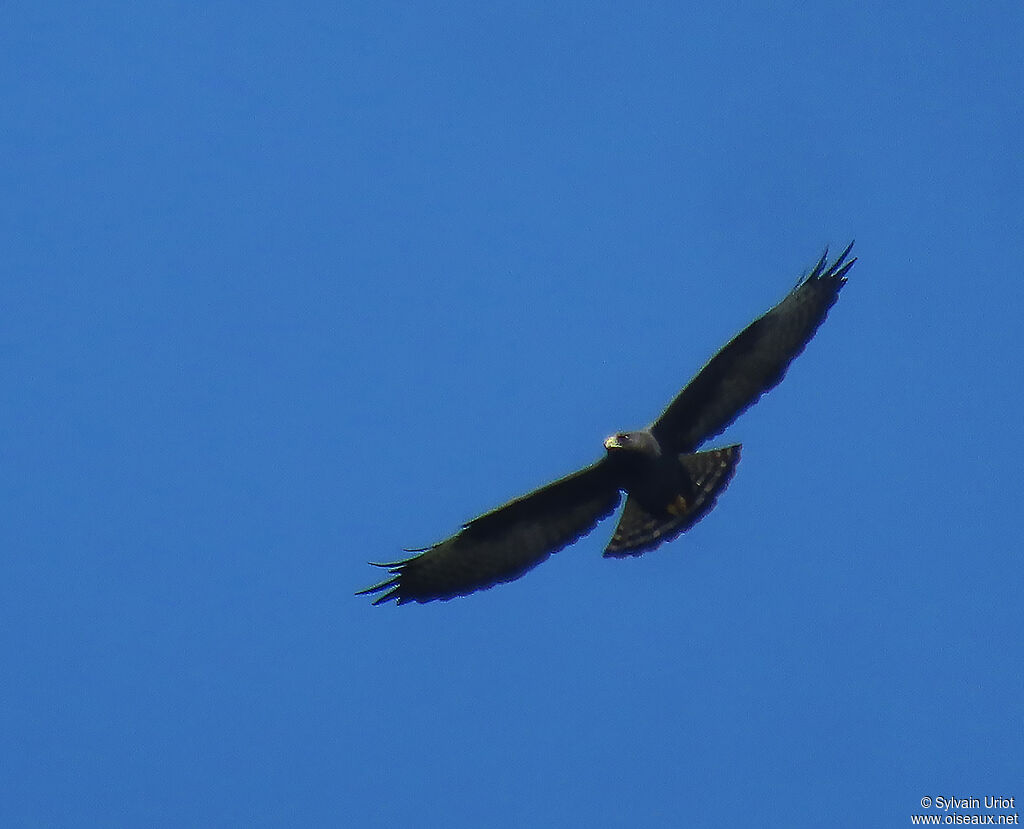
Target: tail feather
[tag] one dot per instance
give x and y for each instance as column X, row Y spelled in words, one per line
column 640, row 530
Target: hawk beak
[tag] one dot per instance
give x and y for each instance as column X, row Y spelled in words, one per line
column 612, row 442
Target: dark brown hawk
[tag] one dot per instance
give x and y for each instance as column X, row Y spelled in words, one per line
column 669, row 485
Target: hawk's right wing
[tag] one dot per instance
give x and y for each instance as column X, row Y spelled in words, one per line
column 503, row 544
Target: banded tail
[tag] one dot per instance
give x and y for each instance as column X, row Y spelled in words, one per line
column 639, row 530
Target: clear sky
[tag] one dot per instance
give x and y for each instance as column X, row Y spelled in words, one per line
column 289, row 287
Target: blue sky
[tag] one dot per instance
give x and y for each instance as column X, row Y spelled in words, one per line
column 291, row 287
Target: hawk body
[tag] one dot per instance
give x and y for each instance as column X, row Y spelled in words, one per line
column 669, row 485
column 652, row 518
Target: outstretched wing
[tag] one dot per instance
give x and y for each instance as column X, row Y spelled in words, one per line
column 754, row 362
column 503, row 544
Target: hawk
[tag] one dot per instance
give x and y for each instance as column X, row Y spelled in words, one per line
column 669, row 485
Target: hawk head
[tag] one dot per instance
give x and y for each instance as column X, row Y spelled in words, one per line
column 635, row 443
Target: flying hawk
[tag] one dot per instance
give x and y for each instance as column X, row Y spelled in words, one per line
column 669, row 485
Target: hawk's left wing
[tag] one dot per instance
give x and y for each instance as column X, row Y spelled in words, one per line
column 503, row 544
column 753, row 362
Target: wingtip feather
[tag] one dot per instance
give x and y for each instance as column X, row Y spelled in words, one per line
column 392, row 583
column 836, row 271
column 816, row 271
column 840, row 266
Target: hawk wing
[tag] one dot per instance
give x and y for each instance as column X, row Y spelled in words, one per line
column 503, row 544
column 754, row 362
